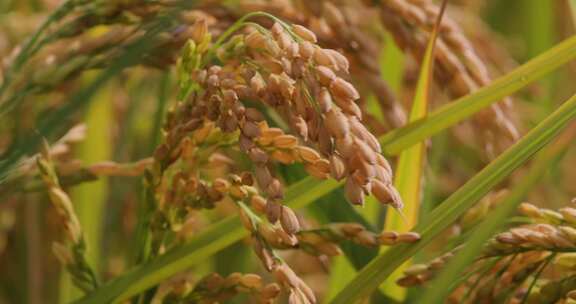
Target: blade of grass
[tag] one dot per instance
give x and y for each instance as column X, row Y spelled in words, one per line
column 381, row 267
column 340, row 271
column 539, row 24
column 409, row 176
column 545, row 159
column 454, row 112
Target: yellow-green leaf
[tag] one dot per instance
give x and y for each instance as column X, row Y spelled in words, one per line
column 408, row 178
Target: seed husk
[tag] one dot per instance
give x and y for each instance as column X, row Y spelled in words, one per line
column 285, row 157
column 324, row 100
column 325, row 75
column 354, row 192
column 289, row 220
column 255, row 40
column 258, row 203
column 285, row 142
column 273, row 210
column 343, row 89
column 275, row 189
column 304, row 33
column 336, row 123
column 337, row 167
column 308, row 154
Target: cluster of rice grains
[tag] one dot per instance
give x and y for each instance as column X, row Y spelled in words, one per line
column 70, row 251
column 223, row 110
column 347, row 26
column 214, row 288
column 459, row 68
column 513, row 259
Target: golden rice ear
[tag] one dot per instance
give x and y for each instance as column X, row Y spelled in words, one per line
column 345, row 90
column 306, row 85
column 308, row 154
column 408, row 237
column 319, row 169
column 251, row 281
column 255, row 40
column 336, row 123
column 324, row 100
column 306, row 50
column 304, row 33
column 257, row 83
column 349, row 107
column 323, row 57
column 289, row 220
column 263, row 176
column 284, row 157
column 388, row 238
column 341, row 61
column 285, row 142
column 273, row 210
column 325, row 75
column 275, row 190
column 381, row 192
column 354, row 192
column 258, row 203
column 271, row 291
column 337, row 167
column 300, row 127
